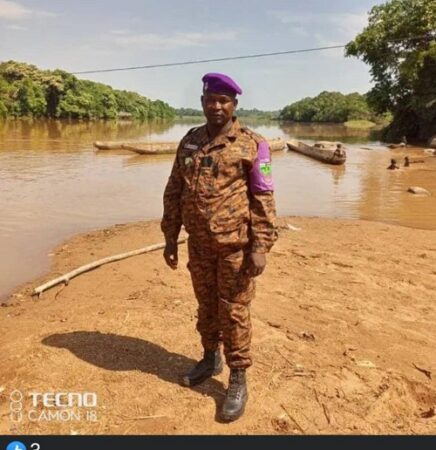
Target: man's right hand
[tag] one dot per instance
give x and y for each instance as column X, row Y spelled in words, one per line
column 170, row 255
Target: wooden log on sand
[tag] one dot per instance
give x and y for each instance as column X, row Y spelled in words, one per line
column 93, row 265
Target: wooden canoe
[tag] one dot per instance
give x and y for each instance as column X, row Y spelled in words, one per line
column 324, row 151
column 163, row 148
column 275, row 145
column 143, row 148
column 400, row 145
column 108, row 145
column 152, row 148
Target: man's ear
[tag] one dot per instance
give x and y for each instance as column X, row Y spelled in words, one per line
column 201, row 99
column 235, row 102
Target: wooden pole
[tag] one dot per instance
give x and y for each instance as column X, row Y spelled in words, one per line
column 93, row 265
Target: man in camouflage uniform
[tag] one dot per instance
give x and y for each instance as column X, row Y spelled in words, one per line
column 220, row 189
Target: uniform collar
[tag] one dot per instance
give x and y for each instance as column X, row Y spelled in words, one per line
column 223, row 139
column 232, row 133
column 234, row 129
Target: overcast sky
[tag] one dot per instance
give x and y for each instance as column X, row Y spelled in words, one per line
column 77, row 36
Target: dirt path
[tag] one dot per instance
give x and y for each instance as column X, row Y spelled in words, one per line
column 344, row 336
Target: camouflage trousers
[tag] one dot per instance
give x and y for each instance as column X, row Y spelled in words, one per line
column 224, row 293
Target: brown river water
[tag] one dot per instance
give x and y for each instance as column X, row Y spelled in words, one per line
column 54, row 184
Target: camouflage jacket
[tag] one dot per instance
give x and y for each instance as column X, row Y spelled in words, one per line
column 222, row 188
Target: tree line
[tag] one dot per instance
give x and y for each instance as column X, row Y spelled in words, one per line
column 26, row 91
column 241, row 112
column 329, row 107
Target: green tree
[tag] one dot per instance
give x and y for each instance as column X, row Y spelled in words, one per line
column 399, row 44
column 75, row 105
column 328, row 107
column 27, row 91
column 31, row 99
column 3, row 110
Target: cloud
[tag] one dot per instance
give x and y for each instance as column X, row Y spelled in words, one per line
column 16, row 28
column 342, row 26
column 176, row 40
column 11, row 10
column 120, row 32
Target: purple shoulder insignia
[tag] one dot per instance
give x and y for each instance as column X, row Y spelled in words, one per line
column 260, row 174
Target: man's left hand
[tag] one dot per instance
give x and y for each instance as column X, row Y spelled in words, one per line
column 257, row 264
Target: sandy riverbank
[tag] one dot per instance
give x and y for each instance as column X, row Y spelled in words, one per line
column 344, row 336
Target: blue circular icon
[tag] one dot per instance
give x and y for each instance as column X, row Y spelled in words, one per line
column 16, row 445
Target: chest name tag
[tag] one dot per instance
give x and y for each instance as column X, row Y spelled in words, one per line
column 190, row 147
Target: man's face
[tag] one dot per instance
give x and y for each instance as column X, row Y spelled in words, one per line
column 218, row 108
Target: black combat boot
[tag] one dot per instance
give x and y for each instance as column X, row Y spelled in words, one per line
column 211, row 364
column 237, row 396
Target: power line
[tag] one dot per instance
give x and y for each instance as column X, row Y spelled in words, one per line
column 233, row 58
column 201, row 61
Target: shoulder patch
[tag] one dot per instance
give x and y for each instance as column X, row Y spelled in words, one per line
column 261, row 174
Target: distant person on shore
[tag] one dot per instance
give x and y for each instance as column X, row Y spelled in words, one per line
column 393, row 165
column 221, row 190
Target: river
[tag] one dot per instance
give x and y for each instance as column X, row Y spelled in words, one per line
column 54, row 184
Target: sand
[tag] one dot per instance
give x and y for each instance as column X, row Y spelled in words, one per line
column 344, row 336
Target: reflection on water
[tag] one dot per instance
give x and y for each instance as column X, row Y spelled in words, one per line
column 320, row 131
column 20, row 135
column 53, row 184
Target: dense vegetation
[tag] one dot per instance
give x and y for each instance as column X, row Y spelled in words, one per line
column 329, row 107
column 399, row 44
column 26, row 91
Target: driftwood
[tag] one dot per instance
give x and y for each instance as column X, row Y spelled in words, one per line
column 93, row 265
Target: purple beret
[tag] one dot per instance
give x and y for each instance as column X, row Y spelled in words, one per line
column 220, row 84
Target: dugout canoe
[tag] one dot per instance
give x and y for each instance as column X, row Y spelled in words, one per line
column 276, row 145
column 108, row 145
column 400, row 145
column 324, row 151
column 152, row 148
column 143, row 148
column 163, row 148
